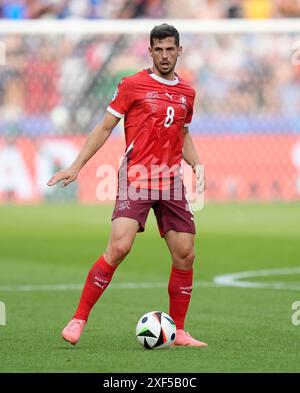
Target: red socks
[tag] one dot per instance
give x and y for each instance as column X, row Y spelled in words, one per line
column 100, row 275
column 180, row 291
column 97, row 280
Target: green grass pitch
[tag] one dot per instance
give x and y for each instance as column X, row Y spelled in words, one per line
column 247, row 329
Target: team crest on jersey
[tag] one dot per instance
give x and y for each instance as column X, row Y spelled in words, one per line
column 152, row 94
column 183, row 99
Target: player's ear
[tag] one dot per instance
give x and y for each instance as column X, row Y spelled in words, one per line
column 150, row 51
column 179, row 50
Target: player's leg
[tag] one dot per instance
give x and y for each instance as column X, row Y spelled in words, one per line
column 122, row 236
column 181, row 246
column 176, row 224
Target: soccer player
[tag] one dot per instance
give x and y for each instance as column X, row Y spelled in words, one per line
column 157, row 107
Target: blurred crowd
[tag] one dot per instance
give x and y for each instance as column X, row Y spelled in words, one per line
column 30, row 9
column 63, row 84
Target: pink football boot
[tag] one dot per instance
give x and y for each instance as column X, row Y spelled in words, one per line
column 73, row 330
column 185, row 339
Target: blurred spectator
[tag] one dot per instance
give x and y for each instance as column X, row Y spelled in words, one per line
column 31, row 9
column 13, row 9
column 258, row 9
column 64, row 82
column 210, row 9
column 68, row 81
column 234, row 9
column 288, row 8
column 204, row 9
column 45, row 8
column 101, row 9
column 12, row 84
column 41, row 79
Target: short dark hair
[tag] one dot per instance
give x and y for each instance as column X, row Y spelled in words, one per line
column 163, row 31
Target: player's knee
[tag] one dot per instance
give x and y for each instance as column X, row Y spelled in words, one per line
column 186, row 253
column 185, row 258
column 121, row 248
column 117, row 251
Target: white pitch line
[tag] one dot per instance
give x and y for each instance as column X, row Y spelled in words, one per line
column 71, row 287
column 233, row 279
column 226, row 280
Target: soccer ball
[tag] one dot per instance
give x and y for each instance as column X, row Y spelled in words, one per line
column 156, row 330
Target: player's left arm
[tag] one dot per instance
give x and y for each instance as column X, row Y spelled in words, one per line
column 191, row 157
column 189, row 151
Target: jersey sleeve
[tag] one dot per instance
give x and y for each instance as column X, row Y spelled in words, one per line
column 122, row 99
column 189, row 116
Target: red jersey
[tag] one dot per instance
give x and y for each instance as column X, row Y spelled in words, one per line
column 154, row 110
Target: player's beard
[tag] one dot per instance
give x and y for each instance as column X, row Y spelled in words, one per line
column 165, row 71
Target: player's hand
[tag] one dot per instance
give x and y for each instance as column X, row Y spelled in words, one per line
column 200, row 178
column 66, row 176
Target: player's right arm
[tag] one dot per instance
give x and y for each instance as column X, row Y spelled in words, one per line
column 94, row 142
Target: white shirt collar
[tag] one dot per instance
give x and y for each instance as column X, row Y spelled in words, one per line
column 165, row 81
